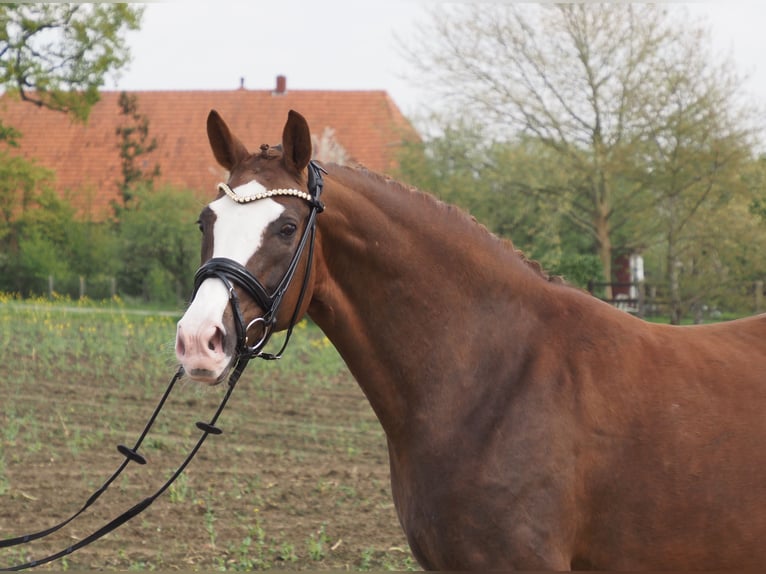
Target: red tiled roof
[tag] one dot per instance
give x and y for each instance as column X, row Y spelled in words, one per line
column 85, row 157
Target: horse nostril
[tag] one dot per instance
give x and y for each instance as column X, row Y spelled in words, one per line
column 180, row 347
column 215, row 344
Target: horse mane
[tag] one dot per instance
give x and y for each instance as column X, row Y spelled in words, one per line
column 454, row 212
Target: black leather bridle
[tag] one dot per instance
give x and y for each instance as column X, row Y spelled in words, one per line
column 231, row 273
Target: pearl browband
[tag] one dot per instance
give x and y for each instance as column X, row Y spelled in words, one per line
column 264, row 194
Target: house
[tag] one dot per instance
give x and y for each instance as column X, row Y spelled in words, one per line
column 359, row 126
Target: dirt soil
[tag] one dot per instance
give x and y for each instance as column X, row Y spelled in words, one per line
column 298, row 480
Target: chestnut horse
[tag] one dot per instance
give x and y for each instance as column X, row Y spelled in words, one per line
column 529, row 425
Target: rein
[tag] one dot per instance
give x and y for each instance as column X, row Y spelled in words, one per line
column 131, row 455
column 230, row 272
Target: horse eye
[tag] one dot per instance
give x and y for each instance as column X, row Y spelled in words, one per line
column 288, row 230
column 199, row 224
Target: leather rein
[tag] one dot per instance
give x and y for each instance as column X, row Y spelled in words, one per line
column 230, row 273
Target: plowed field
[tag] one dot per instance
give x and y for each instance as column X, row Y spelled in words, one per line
column 298, row 479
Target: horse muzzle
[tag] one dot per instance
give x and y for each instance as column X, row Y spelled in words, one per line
column 204, row 346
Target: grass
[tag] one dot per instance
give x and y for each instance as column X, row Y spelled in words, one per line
column 298, row 480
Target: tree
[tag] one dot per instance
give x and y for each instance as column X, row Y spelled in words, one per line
column 58, row 55
column 717, row 257
column 134, row 143
column 160, row 243
column 582, row 79
column 496, row 183
column 755, row 177
column 21, row 181
column 44, row 242
column 694, row 161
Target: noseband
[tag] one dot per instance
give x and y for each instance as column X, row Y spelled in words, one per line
column 232, row 273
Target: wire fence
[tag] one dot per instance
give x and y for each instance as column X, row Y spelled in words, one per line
column 642, row 299
column 76, row 287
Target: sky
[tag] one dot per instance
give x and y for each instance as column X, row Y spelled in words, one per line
column 343, row 45
column 333, row 45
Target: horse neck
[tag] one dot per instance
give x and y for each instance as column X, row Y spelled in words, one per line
column 408, row 289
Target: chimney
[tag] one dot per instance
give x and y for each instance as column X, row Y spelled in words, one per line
column 281, row 85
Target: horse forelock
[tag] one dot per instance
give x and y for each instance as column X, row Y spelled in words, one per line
column 270, row 151
column 359, row 175
column 262, row 161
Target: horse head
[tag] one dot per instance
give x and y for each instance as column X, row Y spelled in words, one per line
column 255, row 277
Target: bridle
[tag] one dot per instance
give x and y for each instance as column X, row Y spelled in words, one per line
column 230, row 272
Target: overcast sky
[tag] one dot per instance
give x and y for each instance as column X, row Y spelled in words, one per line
column 339, row 45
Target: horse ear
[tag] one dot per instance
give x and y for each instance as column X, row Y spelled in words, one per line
column 227, row 149
column 296, row 142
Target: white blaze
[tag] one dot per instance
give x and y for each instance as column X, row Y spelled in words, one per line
column 239, row 227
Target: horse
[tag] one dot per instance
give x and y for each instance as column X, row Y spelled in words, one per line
column 528, row 424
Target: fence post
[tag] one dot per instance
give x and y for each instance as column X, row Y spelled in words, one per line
column 112, row 287
column 758, row 296
column 82, row 287
column 50, row 286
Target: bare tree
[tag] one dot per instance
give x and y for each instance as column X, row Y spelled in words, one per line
column 582, row 78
